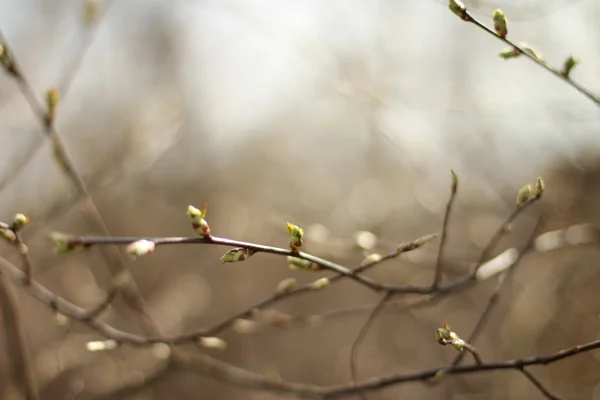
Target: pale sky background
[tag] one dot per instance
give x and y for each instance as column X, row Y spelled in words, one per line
column 206, row 78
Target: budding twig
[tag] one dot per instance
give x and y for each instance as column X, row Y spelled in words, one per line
column 459, row 9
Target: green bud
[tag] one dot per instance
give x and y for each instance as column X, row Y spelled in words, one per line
column 52, row 99
column 441, row 335
column 102, row 345
column 458, row 344
column 500, row 23
column 568, row 65
column 8, row 234
column 415, row 244
column 454, row 185
column 295, row 234
column 321, row 283
column 532, row 52
column 236, row 254
column 525, row 193
column 140, row 248
column 286, row 285
column 6, row 60
column 212, row 343
column 371, row 259
column 20, row 221
column 539, row 187
column 197, row 217
column 298, row 263
column 458, row 8
column 63, row 243
column 509, row 53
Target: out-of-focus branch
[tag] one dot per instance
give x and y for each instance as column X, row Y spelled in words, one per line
column 440, row 258
column 94, row 16
column 16, row 348
column 219, row 370
column 46, row 115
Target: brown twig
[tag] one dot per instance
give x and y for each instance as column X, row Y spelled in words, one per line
column 237, row 376
column 354, row 274
column 16, row 348
column 539, row 385
column 493, row 301
column 361, row 336
column 502, row 281
column 440, row 258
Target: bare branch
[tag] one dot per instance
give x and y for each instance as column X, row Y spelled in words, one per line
column 440, row 259
column 16, row 345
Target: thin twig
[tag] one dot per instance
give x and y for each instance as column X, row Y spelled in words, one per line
column 17, row 352
column 354, row 274
column 361, row 336
column 539, row 385
column 102, row 306
column 237, row 376
column 502, row 281
column 440, row 258
column 501, row 232
column 474, row 352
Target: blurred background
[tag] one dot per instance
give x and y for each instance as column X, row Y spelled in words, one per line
column 341, row 116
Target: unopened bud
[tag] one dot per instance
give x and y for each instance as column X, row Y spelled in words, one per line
column 198, row 220
column 8, row 234
column 458, row 8
column 525, row 193
column 7, row 61
column 458, row 344
column 365, row 240
column 102, row 345
column 286, row 285
column 236, row 254
column 568, row 65
column 454, row 186
column 20, row 221
column 371, row 259
column 539, row 187
column 61, row 319
column 295, row 234
column 500, row 23
column 212, row 343
column 529, row 50
column 415, row 244
column 246, row 326
column 442, row 336
column 52, row 99
column 141, row 248
column 276, row 318
column 299, row 263
column 63, row 243
column 510, row 53
column 321, row 283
